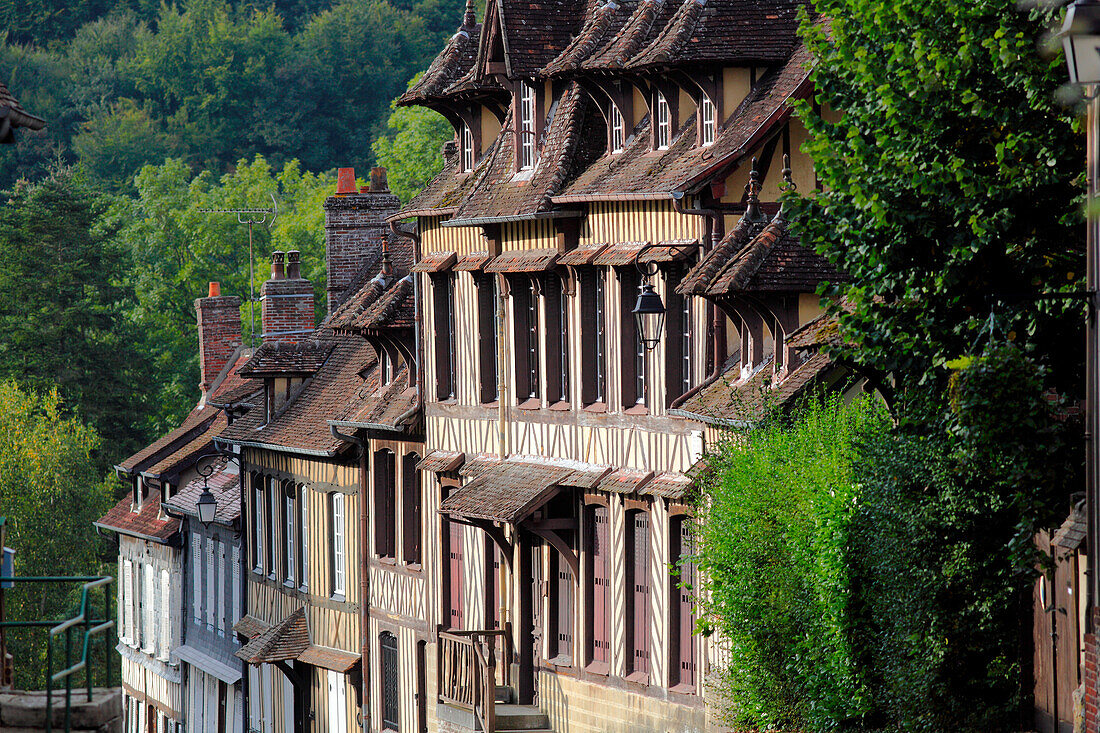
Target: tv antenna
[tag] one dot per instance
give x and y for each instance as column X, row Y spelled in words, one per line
column 248, row 216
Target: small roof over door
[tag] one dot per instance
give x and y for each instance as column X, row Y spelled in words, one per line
column 507, row 492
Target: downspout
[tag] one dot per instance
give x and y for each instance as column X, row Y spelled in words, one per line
column 717, row 327
column 418, row 312
column 364, row 573
column 502, row 382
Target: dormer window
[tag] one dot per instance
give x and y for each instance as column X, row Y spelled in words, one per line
column 664, row 123
column 708, row 116
column 467, row 149
column 618, row 129
column 386, row 367
column 526, row 126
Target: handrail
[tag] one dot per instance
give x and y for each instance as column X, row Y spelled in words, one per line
column 468, row 670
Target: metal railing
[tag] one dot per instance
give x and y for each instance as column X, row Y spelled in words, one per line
column 469, row 671
column 86, row 620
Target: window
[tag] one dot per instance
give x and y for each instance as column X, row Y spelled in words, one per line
column 525, row 304
column 487, row 336
column 391, row 705
column 385, row 367
column 467, row 148
column 593, row 334
column 708, row 123
column 631, row 348
column 443, row 306
column 303, row 534
column 599, row 590
column 618, row 129
column 637, row 594
column 678, row 346
column 290, row 552
column 664, row 123
column 338, row 579
column 683, row 667
column 526, row 126
column 410, row 509
column 385, row 498
column 557, row 340
column 258, row 525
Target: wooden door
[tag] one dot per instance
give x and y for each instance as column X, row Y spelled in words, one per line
column 455, row 579
column 337, row 703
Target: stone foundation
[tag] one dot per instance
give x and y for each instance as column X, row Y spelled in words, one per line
column 26, row 711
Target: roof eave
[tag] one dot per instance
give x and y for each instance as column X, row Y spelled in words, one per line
column 480, row 220
column 276, row 447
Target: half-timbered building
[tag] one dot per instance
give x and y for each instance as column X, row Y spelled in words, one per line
column 599, row 147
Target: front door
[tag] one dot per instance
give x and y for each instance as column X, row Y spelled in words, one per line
column 337, row 703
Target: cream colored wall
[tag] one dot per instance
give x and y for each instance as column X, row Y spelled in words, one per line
column 531, row 234
column 640, row 107
column 809, row 308
column 735, row 87
column 686, row 108
column 144, row 684
column 579, row 706
column 609, row 222
column 437, row 238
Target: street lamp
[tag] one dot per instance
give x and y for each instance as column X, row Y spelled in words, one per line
column 207, row 505
column 649, row 311
column 1081, row 41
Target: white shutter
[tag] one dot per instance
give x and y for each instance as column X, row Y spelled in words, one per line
column 305, row 538
column 165, row 615
column 126, row 609
column 196, row 571
column 120, row 604
column 209, row 580
column 253, row 698
column 219, row 588
column 148, row 633
column 235, row 613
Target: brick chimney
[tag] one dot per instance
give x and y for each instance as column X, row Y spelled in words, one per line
column 219, row 318
column 355, row 227
column 287, row 300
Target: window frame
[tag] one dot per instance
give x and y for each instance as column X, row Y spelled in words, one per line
column 411, row 511
column 467, row 147
column 526, row 130
column 443, row 307
column 290, row 533
column 337, row 536
column 385, row 499
column 487, row 294
column 708, row 120
column 526, row 338
column 663, row 127
column 616, row 140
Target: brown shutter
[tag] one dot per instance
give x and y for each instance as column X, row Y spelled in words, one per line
column 600, row 552
column 410, row 502
column 442, row 294
column 557, row 341
column 638, row 592
column 526, row 337
column 684, row 673
column 628, row 340
column 589, row 389
column 487, row 337
column 674, row 342
column 565, row 612
column 384, row 501
column 454, row 576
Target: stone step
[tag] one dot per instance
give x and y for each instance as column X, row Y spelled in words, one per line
column 521, row 718
column 505, row 694
column 22, row 710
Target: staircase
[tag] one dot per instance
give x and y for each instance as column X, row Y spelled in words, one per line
column 512, row 717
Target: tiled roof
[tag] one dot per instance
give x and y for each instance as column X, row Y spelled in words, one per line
column 195, row 423
column 574, row 137
column 148, row 523
column 622, row 253
column 303, row 424
column 643, row 26
column 772, row 261
column 526, row 260
column 454, row 62
column 825, row 329
column 441, row 461
column 373, row 406
column 732, row 399
column 638, row 170
column 600, row 26
column 251, row 626
column 446, row 191
column 536, row 31
column 10, row 107
column 391, row 307
column 587, row 477
column 477, row 465
column 241, row 393
column 326, row 657
column 1073, row 531
column 582, row 255
column 288, row 357
column 507, row 492
column 283, row 641
column 182, row 457
column 224, row 483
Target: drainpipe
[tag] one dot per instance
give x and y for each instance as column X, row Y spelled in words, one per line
column 502, row 382
column 364, row 572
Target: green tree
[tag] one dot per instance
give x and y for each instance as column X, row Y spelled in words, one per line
column 51, row 491
column 65, row 321
column 950, row 183
column 410, row 147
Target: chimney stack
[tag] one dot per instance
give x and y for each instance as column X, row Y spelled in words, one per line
column 219, row 320
column 355, row 228
column 287, row 300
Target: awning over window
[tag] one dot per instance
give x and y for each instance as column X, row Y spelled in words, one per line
column 508, row 492
column 583, row 255
column 228, row 673
column 473, row 261
column 283, row 641
column 435, row 262
column 1072, row 532
column 478, row 464
column 326, row 657
column 251, row 626
column 624, row 481
column 668, row 485
column 441, row 461
column 528, row 260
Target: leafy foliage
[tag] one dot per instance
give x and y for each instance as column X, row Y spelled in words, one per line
column 775, row 518
column 949, row 179
column 51, row 493
column 65, row 321
column 410, row 149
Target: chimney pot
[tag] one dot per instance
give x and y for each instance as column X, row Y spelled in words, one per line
column 277, row 265
column 215, row 290
column 378, row 182
column 345, row 181
column 293, row 265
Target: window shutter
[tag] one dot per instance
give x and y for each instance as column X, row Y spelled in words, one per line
column 196, row 575
column 565, row 611
column 590, row 336
column 454, row 575
column 127, row 607
column 165, row 615
column 235, row 612
column 303, row 532
column 639, row 596
column 219, row 588
column 683, row 673
column 208, row 579
column 601, row 578
column 149, row 632
column 410, row 502
column 487, row 336
column 121, row 601
column 631, row 351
